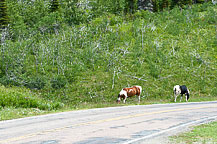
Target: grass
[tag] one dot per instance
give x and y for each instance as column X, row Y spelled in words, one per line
column 203, row 134
column 8, row 113
column 13, row 113
column 51, row 66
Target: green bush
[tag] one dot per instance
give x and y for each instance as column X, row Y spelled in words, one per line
column 22, row 98
column 35, row 82
column 4, row 18
column 58, row 82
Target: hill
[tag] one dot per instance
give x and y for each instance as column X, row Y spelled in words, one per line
column 72, row 65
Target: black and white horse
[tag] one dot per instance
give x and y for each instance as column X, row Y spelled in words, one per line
column 181, row 90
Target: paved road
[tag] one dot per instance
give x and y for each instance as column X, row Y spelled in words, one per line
column 127, row 124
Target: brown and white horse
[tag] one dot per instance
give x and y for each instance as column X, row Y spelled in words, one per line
column 129, row 92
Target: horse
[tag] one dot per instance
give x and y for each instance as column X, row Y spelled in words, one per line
column 129, row 92
column 181, row 90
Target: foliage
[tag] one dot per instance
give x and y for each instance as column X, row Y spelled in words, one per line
column 85, row 52
column 19, row 98
column 181, row 3
column 4, row 19
column 54, row 5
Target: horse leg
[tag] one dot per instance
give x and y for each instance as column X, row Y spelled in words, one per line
column 181, row 98
column 186, row 97
column 125, row 98
column 139, row 98
column 175, row 97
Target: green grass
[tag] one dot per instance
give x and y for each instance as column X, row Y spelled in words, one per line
column 13, row 113
column 203, row 134
column 50, row 65
column 18, row 102
column 8, row 113
column 20, row 97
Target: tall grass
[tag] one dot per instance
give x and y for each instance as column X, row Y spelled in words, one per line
column 91, row 61
column 22, row 98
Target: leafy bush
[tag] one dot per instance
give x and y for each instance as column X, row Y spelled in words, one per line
column 35, row 82
column 58, row 82
column 22, row 98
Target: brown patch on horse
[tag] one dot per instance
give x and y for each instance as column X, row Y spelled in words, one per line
column 132, row 91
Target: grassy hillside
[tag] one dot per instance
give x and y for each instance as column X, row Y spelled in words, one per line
column 63, row 65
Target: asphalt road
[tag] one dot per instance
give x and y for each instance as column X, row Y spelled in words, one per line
column 126, row 124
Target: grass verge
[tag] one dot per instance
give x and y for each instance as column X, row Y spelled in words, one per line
column 202, row 134
column 8, row 113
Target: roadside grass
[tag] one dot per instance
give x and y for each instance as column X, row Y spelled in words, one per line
column 13, row 113
column 202, row 134
column 18, row 102
column 8, row 113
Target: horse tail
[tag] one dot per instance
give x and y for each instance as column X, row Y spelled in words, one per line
column 188, row 94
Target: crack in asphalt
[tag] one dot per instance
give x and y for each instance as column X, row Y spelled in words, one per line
column 200, row 121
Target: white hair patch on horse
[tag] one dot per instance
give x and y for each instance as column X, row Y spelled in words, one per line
column 177, row 89
column 123, row 92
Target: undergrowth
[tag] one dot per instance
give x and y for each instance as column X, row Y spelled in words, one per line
column 50, row 64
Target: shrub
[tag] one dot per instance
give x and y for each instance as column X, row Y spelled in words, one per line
column 58, row 82
column 22, row 98
column 35, row 82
